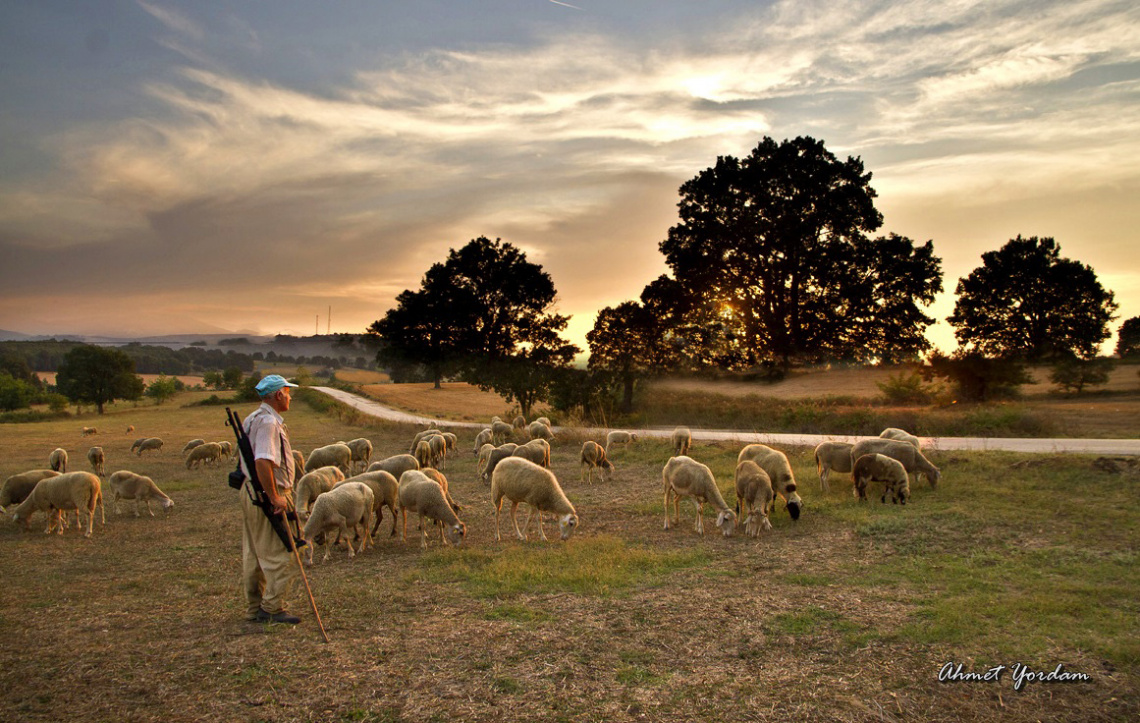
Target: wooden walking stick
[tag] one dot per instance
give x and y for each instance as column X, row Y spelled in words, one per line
column 305, row 579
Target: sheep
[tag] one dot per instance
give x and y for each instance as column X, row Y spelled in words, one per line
column 136, row 443
column 344, row 506
column 203, row 454
column 337, row 454
column 130, row 428
column 912, row 460
column 298, row 466
column 900, row 435
column 96, row 458
column 482, row 438
column 385, row 493
column 686, row 477
column 440, row 479
column 519, row 423
column 313, row 484
column 424, row 496
column 361, row 450
column 395, row 465
column 500, row 431
column 71, row 491
column 521, row 480
column 88, row 431
column 538, row 430
column 451, row 440
column 754, row 496
column 420, row 436
column 17, row 487
column 544, row 420
column 127, row 485
column 881, row 468
column 619, row 437
column 682, row 439
column 423, row 453
column 149, row 444
column 498, row 454
column 775, row 463
column 191, row 445
column 536, row 450
column 227, row 448
column 57, row 460
column 438, row 445
column 831, row 456
column 594, row 457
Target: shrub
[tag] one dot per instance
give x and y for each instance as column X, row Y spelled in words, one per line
column 1073, row 375
column 907, row 388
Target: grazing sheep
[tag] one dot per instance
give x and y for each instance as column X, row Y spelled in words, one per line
column 227, row 448
column 451, row 440
column 544, row 420
column 832, row 456
column 754, row 497
column 313, row 484
column 423, row 453
column 686, row 477
column 440, row 479
column 682, row 439
column 136, row 443
column 57, row 460
column 337, row 454
column 520, row 480
column 344, row 506
column 484, row 437
column 88, row 431
column 148, row 445
column 53, row 495
column 361, row 449
column 127, row 485
column 775, row 463
column 536, row 450
column 498, row 454
column 298, row 466
column 396, row 465
column 424, row 496
column 420, row 436
column 912, row 460
column 900, row 435
column 619, row 437
column 519, row 422
column 500, row 431
column 594, row 457
column 191, row 445
column 881, row 468
column 385, row 493
column 97, row 460
column 130, row 428
column 17, row 487
column 203, row 454
column 538, row 430
column 438, row 445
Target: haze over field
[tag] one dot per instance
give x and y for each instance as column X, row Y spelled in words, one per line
column 211, row 167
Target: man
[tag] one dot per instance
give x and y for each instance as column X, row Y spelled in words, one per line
column 269, row 568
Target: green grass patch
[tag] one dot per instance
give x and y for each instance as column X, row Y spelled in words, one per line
column 523, row 614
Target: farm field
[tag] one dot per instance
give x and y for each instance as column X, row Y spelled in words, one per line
column 848, row 614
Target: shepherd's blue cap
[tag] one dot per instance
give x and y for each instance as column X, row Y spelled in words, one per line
column 272, row 383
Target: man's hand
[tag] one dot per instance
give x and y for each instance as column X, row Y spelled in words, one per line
column 265, row 475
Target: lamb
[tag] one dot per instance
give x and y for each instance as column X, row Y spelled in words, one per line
column 754, row 496
column 57, row 460
column 594, row 457
column 682, row 439
column 97, row 460
column 521, row 480
column 17, row 487
column 500, row 431
column 775, row 463
column 422, row 495
column 361, row 450
column 912, row 460
column 149, row 444
column 127, row 485
column 536, row 450
column 191, row 445
column 484, row 437
column 88, row 431
column 832, row 456
column 344, row 506
column 136, row 443
column 203, row 454
column 313, row 484
column 395, row 465
column 619, row 437
column 538, row 430
column 900, row 435
column 71, row 491
column 385, row 493
column 498, row 454
column 686, row 477
column 881, row 468
column 337, row 454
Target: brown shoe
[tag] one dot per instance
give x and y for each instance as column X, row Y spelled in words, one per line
column 281, row 617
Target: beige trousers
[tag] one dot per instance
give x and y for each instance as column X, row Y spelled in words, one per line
column 268, row 567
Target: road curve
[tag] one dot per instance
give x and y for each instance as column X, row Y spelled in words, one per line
column 1054, row 445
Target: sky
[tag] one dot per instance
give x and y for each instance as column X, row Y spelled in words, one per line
column 245, row 165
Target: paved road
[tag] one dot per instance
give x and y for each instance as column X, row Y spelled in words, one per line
column 1009, row 444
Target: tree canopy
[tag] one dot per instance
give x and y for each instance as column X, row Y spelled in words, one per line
column 97, row 375
column 1128, row 338
column 1026, row 301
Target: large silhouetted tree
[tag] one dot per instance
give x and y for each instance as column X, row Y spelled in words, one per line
column 1028, row 302
column 97, row 375
column 1128, row 338
column 627, row 342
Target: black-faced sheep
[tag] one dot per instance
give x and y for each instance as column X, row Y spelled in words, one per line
column 775, row 463
column 912, row 460
column 520, row 480
column 686, row 477
column 881, row 468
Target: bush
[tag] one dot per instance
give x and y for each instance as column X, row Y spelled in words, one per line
column 907, row 388
column 1073, row 375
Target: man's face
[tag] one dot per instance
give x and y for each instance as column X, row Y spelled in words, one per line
column 281, row 398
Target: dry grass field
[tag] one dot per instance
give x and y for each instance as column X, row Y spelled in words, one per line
column 848, row 614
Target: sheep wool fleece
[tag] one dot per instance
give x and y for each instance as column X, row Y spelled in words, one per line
column 269, row 569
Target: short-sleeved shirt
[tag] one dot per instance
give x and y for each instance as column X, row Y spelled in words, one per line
column 269, row 438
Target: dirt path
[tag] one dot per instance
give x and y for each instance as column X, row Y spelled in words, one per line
column 1007, row 444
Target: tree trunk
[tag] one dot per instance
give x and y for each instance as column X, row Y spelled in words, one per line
column 627, row 394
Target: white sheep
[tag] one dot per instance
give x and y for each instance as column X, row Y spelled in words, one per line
column 900, row 435
column 150, row 444
column 203, row 454
column 227, row 448
column 682, row 439
column 420, row 436
column 912, row 460
column 361, row 449
column 424, row 496
column 127, row 485
column 191, row 445
column 500, row 431
column 544, row 420
column 53, row 495
column 484, row 437
column 17, row 487
column 881, row 468
column 617, row 437
column 686, row 477
column 423, row 453
column 136, row 443
column 97, row 459
column 832, row 456
column 312, row 484
column 776, row 464
column 538, row 430
column 298, row 466
column 438, row 445
column 519, row 423
column 754, row 497
column 498, row 454
column 594, row 457
column 385, row 493
column 520, row 480
column 337, row 454
column 57, row 460
column 536, row 450
column 341, row 508
column 452, row 439
column 396, row 465
column 88, row 431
